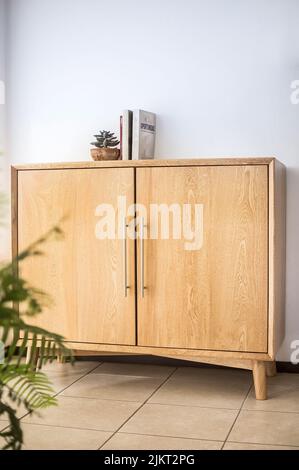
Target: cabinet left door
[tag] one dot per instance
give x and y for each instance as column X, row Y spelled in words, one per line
column 85, row 272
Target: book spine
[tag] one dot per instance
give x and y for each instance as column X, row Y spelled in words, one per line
column 130, row 132
column 121, row 136
column 127, row 134
column 136, row 135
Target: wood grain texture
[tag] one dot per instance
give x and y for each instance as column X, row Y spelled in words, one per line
column 204, row 161
column 14, row 221
column 216, row 297
column 218, row 361
column 277, row 255
column 189, row 354
column 14, row 211
column 84, row 353
column 260, row 380
column 84, row 275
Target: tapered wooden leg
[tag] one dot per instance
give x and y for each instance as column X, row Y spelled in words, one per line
column 260, row 380
column 271, row 369
column 60, row 359
column 29, row 353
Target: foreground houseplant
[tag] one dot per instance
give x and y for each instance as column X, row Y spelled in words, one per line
column 22, row 383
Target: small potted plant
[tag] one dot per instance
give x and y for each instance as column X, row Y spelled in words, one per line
column 105, row 146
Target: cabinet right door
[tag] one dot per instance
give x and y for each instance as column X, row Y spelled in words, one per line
column 202, row 257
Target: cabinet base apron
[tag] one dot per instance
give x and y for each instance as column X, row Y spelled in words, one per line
column 261, row 368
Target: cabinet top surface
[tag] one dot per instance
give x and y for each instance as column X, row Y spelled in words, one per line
column 147, row 163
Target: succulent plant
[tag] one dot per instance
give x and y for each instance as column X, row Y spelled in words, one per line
column 105, row 139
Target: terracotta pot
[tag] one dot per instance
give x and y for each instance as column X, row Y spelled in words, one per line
column 105, row 153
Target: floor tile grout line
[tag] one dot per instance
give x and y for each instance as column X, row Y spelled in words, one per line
column 155, row 403
column 270, row 411
column 60, row 391
column 172, row 437
column 155, row 435
column 261, row 444
column 160, row 435
column 169, row 378
column 238, row 414
column 195, row 406
column 79, row 378
column 121, row 432
column 139, row 408
column 99, row 365
column 56, row 394
column 66, row 427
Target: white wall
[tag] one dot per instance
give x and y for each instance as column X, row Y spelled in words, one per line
column 2, row 73
column 4, row 233
column 217, row 72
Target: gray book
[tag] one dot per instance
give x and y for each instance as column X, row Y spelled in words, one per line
column 127, row 134
column 144, row 135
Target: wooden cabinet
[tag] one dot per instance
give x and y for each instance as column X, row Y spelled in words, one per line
column 203, row 281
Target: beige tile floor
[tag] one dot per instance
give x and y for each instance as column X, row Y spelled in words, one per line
column 133, row 406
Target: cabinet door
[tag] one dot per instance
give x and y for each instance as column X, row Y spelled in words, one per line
column 214, row 297
column 83, row 274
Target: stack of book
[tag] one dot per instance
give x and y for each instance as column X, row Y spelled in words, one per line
column 137, row 134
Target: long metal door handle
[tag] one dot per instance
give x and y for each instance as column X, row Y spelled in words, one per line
column 125, row 258
column 142, row 256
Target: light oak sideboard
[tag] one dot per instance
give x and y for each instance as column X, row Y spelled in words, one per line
column 221, row 304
